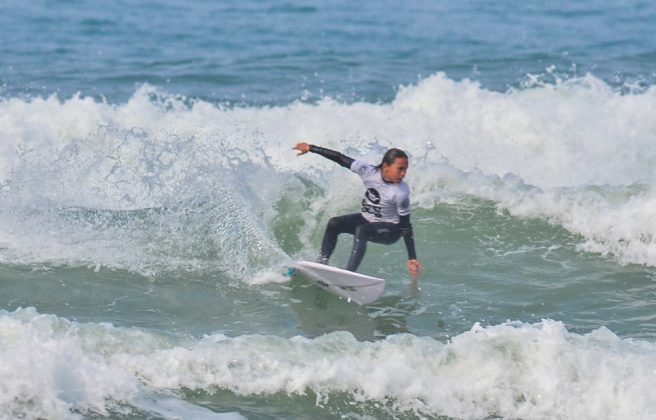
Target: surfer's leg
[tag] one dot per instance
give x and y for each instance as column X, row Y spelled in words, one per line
column 360, row 237
column 336, row 225
column 381, row 233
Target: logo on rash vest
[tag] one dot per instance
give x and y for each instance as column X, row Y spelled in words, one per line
column 371, row 202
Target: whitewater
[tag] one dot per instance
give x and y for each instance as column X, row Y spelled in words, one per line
column 577, row 154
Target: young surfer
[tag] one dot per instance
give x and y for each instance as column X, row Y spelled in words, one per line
column 385, row 212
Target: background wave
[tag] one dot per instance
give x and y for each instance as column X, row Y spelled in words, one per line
column 171, row 182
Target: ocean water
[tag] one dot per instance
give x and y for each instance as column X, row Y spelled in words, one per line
column 150, row 202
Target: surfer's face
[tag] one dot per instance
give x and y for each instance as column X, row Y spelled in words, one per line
column 395, row 172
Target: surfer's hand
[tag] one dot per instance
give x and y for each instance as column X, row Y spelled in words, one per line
column 302, row 148
column 413, row 267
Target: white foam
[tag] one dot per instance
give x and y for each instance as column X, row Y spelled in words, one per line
column 612, row 221
column 513, row 370
column 48, row 371
column 538, row 152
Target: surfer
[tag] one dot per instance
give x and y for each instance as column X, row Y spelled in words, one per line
column 385, row 212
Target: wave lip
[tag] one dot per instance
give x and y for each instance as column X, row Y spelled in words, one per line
column 512, row 370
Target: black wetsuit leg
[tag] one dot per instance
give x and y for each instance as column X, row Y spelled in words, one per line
column 336, row 225
column 380, row 233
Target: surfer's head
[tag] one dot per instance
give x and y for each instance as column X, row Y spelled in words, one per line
column 394, row 165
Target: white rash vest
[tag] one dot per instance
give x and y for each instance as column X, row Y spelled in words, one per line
column 383, row 201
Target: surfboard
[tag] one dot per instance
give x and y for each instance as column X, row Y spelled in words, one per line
column 354, row 287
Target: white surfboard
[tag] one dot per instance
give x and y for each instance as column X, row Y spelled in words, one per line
column 349, row 285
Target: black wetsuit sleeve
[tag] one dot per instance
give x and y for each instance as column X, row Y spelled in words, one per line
column 337, row 157
column 408, row 236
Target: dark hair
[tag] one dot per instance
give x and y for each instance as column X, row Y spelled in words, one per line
column 391, row 155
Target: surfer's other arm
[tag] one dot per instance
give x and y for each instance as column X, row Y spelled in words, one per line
column 408, row 237
column 336, row 157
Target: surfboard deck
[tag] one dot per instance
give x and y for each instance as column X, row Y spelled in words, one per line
column 354, row 287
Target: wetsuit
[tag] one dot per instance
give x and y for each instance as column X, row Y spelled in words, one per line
column 384, row 215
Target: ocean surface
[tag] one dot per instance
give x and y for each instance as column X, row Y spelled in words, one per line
column 150, row 202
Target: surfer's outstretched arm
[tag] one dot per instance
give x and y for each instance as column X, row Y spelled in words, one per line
column 408, row 237
column 337, row 157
